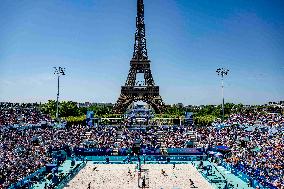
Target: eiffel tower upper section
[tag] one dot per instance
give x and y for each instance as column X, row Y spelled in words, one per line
column 140, row 49
column 140, row 64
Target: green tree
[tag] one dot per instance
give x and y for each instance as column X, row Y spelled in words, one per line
column 174, row 111
column 101, row 111
column 83, row 110
column 68, row 108
column 49, row 108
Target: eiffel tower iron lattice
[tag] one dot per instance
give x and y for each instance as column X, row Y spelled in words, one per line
column 134, row 90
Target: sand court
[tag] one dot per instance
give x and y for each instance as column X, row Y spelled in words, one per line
column 125, row 176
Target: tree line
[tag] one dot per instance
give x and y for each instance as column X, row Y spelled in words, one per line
column 203, row 115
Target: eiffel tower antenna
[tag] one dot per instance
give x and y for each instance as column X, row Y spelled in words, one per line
column 134, row 91
column 140, row 50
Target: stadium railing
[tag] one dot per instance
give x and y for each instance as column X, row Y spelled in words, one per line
column 236, row 171
column 70, row 176
column 26, row 180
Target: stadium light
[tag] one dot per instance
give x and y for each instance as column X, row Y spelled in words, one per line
column 222, row 72
column 58, row 71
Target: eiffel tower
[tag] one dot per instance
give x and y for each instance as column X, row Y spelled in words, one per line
column 133, row 90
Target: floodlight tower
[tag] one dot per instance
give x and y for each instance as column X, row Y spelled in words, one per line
column 222, row 72
column 58, row 71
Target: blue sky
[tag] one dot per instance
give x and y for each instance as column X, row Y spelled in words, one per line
column 187, row 41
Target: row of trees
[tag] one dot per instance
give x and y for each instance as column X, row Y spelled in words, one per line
column 206, row 114
column 70, row 111
column 203, row 115
column 66, row 109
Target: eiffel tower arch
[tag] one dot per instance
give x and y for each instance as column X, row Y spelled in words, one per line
column 134, row 90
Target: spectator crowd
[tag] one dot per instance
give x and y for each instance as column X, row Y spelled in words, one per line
column 255, row 142
column 22, row 152
column 21, row 114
